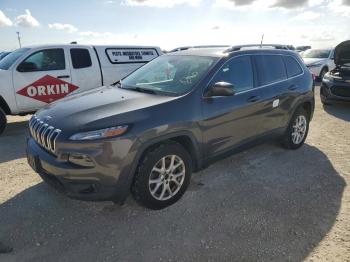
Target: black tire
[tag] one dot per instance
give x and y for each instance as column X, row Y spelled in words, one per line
column 324, row 101
column 141, row 189
column 322, row 74
column 3, row 121
column 287, row 140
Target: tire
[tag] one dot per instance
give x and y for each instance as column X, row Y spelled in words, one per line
column 325, row 102
column 290, row 140
column 322, row 74
column 153, row 168
column 3, row 121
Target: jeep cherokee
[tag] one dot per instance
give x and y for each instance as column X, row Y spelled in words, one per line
column 147, row 133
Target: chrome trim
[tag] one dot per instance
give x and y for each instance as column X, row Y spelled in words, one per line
column 44, row 134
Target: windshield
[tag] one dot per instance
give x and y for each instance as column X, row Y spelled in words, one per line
column 8, row 60
column 172, row 75
column 317, row 53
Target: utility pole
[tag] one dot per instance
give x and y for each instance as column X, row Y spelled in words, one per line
column 19, row 39
column 262, row 40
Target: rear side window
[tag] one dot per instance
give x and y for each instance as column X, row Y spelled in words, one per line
column 80, row 58
column 237, row 72
column 270, row 69
column 292, row 66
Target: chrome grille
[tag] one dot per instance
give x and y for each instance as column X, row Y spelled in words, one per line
column 44, row 134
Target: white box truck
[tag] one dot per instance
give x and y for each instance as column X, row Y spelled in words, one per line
column 34, row 76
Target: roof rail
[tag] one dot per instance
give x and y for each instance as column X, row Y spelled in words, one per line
column 239, row 47
column 196, row 46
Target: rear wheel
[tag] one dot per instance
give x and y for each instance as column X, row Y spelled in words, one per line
column 3, row 121
column 297, row 130
column 163, row 176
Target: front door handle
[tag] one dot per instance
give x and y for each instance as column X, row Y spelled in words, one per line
column 293, row 87
column 65, row 76
column 253, row 99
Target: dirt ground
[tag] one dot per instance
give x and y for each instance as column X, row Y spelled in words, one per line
column 265, row 204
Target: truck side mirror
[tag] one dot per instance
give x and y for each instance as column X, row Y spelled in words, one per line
column 220, row 89
column 27, row 67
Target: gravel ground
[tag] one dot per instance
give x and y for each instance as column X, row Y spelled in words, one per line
column 265, row 204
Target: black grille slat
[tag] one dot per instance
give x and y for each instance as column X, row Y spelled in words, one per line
column 44, row 134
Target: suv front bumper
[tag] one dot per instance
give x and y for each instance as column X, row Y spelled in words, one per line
column 335, row 91
column 109, row 179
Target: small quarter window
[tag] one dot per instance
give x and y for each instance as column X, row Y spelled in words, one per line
column 293, row 67
column 80, row 58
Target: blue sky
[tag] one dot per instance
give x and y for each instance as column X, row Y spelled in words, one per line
column 172, row 23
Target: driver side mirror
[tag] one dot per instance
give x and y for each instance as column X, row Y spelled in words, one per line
column 27, row 67
column 220, row 89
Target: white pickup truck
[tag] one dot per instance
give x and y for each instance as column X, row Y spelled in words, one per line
column 34, row 76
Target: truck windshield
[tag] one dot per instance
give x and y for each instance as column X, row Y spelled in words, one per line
column 8, row 61
column 316, row 53
column 172, row 75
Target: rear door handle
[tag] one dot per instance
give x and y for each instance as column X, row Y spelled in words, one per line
column 253, row 99
column 65, row 76
column 293, row 87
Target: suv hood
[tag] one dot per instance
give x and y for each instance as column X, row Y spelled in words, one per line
column 99, row 108
column 342, row 53
column 311, row 61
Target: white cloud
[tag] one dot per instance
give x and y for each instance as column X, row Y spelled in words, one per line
column 306, row 16
column 66, row 27
column 26, row 20
column 161, row 3
column 4, row 20
column 267, row 4
column 340, row 7
column 95, row 34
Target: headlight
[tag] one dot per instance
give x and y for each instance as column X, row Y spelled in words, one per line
column 102, row 133
column 314, row 65
column 330, row 77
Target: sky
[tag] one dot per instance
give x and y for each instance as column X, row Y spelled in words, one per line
column 174, row 23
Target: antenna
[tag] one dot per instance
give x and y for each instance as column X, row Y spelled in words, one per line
column 19, row 39
column 262, row 40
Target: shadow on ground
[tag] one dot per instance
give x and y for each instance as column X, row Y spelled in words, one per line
column 13, row 141
column 340, row 110
column 265, row 204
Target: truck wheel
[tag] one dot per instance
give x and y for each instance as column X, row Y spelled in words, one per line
column 297, row 130
column 162, row 176
column 3, row 121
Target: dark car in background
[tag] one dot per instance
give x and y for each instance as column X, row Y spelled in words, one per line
column 173, row 116
column 336, row 84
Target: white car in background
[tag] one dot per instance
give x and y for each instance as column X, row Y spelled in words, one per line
column 319, row 61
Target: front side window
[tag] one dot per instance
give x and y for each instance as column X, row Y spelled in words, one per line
column 170, row 74
column 80, row 58
column 270, row 69
column 10, row 59
column 238, row 72
column 45, row 60
column 292, row 66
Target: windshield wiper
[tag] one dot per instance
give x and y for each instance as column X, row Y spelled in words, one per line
column 143, row 90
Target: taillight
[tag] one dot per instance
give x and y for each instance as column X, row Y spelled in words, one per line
column 314, row 77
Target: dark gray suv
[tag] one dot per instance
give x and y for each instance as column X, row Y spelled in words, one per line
column 175, row 115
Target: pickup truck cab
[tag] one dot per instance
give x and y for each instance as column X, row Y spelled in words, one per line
column 32, row 77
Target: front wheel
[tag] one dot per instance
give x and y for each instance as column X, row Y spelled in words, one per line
column 3, row 121
column 163, row 176
column 297, row 130
column 323, row 73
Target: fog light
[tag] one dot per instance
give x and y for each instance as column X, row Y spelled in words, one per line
column 81, row 160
